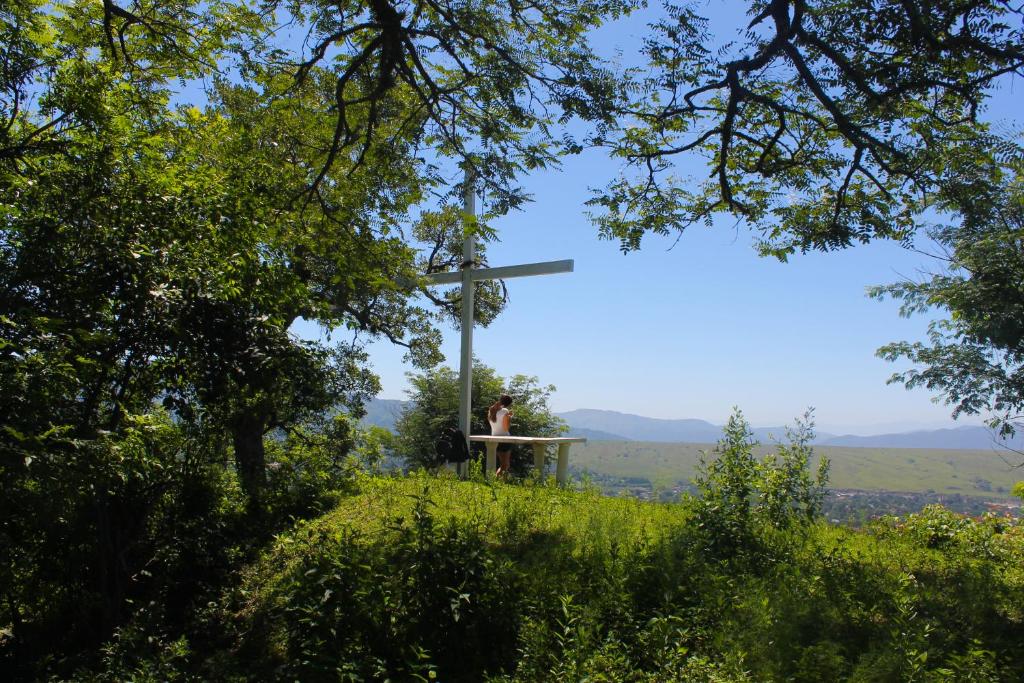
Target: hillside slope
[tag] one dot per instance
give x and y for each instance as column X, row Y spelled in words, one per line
column 426, row 578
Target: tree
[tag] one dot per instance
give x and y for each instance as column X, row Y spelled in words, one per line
column 435, row 406
column 828, row 124
column 153, row 259
column 975, row 355
column 155, row 256
column 831, row 123
column 482, row 82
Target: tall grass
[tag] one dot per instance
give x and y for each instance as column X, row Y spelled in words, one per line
column 431, row 578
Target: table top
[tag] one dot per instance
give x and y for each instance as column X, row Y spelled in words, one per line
column 528, row 439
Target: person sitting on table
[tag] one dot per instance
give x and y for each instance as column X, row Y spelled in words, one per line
column 500, row 418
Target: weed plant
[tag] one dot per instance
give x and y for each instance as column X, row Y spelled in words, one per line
column 426, row 577
column 430, row 578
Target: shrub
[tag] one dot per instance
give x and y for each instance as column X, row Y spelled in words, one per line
column 435, row 407
column 740, row 496
column 414, row 578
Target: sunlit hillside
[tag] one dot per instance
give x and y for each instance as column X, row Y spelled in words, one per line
column 421, row 578
column 983, row 473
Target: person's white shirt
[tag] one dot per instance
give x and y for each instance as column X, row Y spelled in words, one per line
column 498, row 423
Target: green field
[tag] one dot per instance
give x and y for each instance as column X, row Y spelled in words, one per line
column 967, row 472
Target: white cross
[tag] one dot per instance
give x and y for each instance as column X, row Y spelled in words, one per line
column 468, row 275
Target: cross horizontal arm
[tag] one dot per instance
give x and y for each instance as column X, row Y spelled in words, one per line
column 504, row 272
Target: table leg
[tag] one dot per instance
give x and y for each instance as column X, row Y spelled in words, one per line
column 492, row 459
column 539, row 455
column 562, row 472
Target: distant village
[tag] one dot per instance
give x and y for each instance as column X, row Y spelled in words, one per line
column 852, row 507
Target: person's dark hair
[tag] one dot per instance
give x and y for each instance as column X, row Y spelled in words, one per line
column 492, row 412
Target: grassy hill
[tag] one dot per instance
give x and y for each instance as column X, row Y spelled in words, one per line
column 424, row 578
column 971, row 473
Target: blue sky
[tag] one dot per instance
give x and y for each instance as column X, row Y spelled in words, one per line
column 691, row 328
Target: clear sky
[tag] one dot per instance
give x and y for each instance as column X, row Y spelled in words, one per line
column 691, row 328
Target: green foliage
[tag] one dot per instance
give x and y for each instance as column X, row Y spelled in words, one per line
column 152, row 260
column 543, row 584
column 372, row 610
column 140, row 653
column 974, row 357
column 159, row 423
column 429, row 573
column 728, row 487
column 95, row 528
column 821, row 124
column 740, row 497
column 790, row 494
column 309, row 465
column 435, row 406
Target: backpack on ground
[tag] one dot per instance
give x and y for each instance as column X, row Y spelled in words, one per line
column 451, row 445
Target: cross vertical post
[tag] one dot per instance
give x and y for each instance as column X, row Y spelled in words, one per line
column 466, row 356
column 467, row 276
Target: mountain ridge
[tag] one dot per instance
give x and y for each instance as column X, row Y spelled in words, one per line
column 610, row 425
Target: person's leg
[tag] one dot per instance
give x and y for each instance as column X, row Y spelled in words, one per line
column 505, row 460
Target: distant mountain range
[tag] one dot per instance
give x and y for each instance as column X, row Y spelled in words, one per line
column 383, row 412
column 637, row 428
column 595, row 434
column 609, row 425
column 967, row 437
column 626, row 427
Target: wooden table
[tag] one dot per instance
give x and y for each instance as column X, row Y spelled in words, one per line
column 539, row 444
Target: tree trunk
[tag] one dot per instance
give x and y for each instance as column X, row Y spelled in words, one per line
column 250, row 455
column 111, row 579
